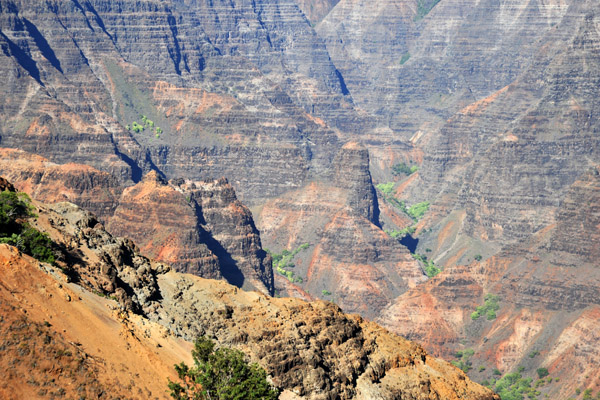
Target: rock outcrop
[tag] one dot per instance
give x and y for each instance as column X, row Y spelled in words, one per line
column 310, row 349
column 197, row 227
column 89, row 188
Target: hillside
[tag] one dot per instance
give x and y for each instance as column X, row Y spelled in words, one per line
column 107, row 321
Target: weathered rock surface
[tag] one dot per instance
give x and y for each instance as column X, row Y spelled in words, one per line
column 197, row 227
column 316, row 10
column 92, row 189
column 349, row 256
column 311, row 349
column 547, row 289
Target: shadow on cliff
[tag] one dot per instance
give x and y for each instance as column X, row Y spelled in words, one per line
column 227, row 265
column 410, row 243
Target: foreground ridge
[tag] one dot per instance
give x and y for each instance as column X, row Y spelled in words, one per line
column 128, row 337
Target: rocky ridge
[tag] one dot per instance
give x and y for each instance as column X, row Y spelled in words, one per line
column 310, row 349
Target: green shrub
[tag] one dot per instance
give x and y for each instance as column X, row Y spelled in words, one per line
column 14, row 230
column 282, row 262
column 478, row 257
column 464, row 360
column 221, row 374
column 386, row 188
column 514, row 387
column 326, row 292
column 533, row 354
column 489, row 308
column 542, row 372
column 430, row 268
column 417, row 211
column 402, row 168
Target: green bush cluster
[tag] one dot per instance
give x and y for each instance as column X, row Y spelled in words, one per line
column 515, row 387
column 402, row 168
column 146, row 123
column 430, row 268
column 386, row 188
column 489, row 308
column 402, row 232
column 464, row 359
column 417, row 211
column 284, row 261
column 14, row 229
column 221, row 374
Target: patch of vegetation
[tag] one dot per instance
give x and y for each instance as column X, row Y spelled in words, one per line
column 477, row 257
column 405, row 58
column 489, row 308
column 284, row 262
column 542, row 372
column 402, row 232
column 424, row 7
column 326, row 292
column 417, row 211
column 533, row 354
column 15, row 208
column 386, row 188
column 430, row 268
column 146, row 123
column 464, row 359
column 403, row 169
column 515, row 387
column 220, row 374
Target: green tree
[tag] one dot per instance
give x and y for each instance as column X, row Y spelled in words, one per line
column 14, row 230
column 221, row 374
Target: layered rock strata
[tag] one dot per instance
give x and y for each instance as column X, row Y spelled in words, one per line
column 310, row 349
column 198, row 228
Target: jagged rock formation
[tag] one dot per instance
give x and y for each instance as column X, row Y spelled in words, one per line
column 199, row 228
column 310, row 349
column 348, row 256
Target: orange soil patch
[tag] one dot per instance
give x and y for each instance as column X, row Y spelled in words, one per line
column 127, row 354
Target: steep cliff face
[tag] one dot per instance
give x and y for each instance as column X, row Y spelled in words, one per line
column 227, row 84
column 349, row 259
column 546, row 290
column 94, row 190
column 311, row 350
column 197, row 227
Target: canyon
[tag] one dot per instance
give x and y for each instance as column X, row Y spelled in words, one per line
column 113, row 324
column 287, row 146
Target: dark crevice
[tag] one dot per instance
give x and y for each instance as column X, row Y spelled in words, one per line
column 136, row 171
column 345, row 90
column 410, row 243
column 228, row 266
column 176, row 52
column 99, row 21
